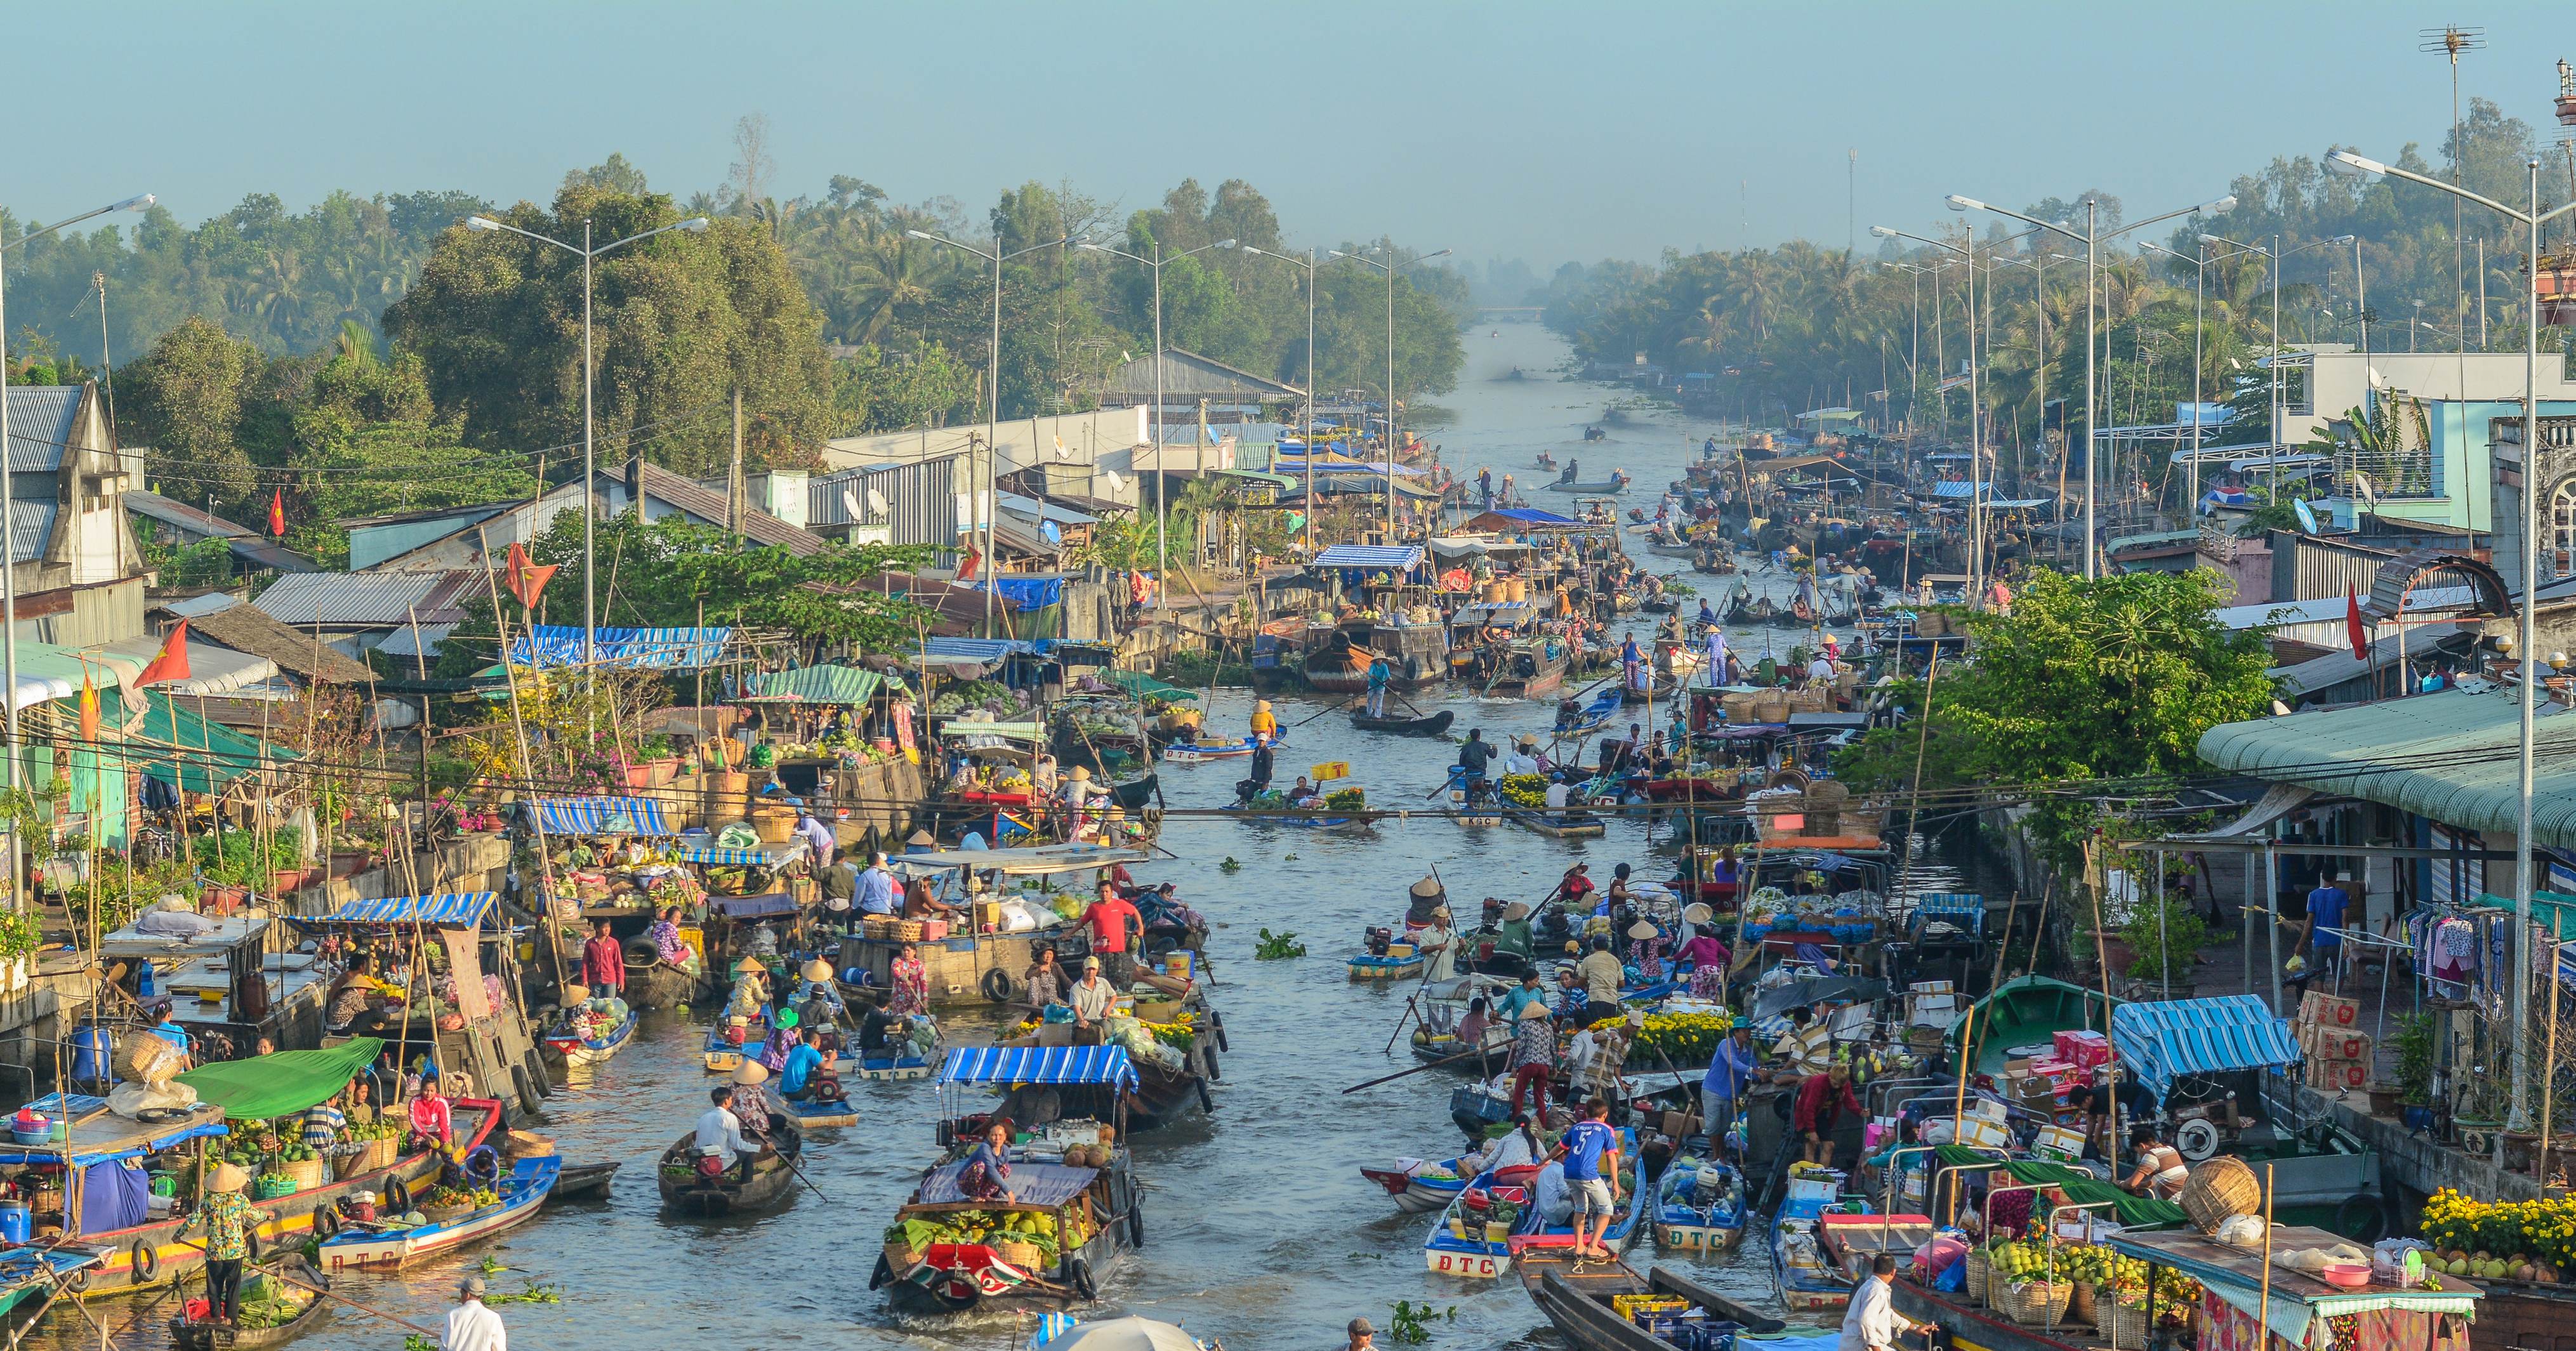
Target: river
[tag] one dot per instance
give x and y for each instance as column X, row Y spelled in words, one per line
column 1260, row 1230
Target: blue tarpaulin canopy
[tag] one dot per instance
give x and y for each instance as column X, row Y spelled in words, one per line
column 1029, row 593
column 1532, row 516
column 602, row 816
column 451, row 909
column 985, row 650
column 755, row 907
column 1038, row 1065
column 1392, row 557
column 650, row 649
column 2159, row 1041
column 1964, row 908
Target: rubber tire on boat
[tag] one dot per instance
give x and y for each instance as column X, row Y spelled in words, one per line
column 884, row 1273
column 996, row 985
column 77, row 1282
column 251, row 1242
column 2368, row 1226
column 1412, row 666
column 326, row 1221
column 1077, row 1273
column 1209, row 1054
column 1135, row 1223
column 1221, row 1043
column 1206, row 1103
column 398, row 1195
column 146, row 1257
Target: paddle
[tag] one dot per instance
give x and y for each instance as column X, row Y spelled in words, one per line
column 1426, row 1065
column 1342, row 707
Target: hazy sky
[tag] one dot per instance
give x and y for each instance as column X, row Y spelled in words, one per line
column 1543, row 131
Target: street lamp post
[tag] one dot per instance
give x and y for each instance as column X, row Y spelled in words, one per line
column 9, row 518
column 1914, row 360
column 1976, row 423
column 2278, row 403
column 1308, row 263
column 2092, row 240
column 1389, row 269
column 589, row 466
column 1154, row 423
column 2350, row 165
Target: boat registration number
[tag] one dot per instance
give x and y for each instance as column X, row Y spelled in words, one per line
column 1466, row 1264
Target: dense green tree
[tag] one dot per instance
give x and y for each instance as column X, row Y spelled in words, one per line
column 184, row 401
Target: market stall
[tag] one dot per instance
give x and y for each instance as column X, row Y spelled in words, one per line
column 1012, row 904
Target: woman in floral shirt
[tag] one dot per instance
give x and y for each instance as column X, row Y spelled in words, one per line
column 228, row 1219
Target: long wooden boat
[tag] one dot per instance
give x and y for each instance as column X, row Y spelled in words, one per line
column 1577, row 1299
column 1690, row 1217
column 212, row 1334
column 1535, row 667
column 1368, row 967
column 1431, row 725
column 1614, row 484
column 656, row 984
column 1099, row 1204
column 144, row 1256
column 1550, row 824
column 1418, row 1193
column 2027, row 1012
column 576, row 1050
column 1317, row 819
column 1456, row 1248
column 772, row 1183
column 382, row 1247
column 1203, row 750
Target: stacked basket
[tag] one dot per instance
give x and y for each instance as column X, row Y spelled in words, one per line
column 2033, row 1304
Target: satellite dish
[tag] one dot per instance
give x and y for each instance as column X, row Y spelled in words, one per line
column 2377, row 381
column 876, row 503
column 1117, row 484
column 2307, row 517
column 1048, row 531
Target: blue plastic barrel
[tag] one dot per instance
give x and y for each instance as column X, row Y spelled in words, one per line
column 15, row 1227
column 93, row 1052
column 143, row 980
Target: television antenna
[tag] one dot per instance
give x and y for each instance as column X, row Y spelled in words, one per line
column 2450, row 40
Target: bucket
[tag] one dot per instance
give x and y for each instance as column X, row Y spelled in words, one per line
column 1176, row 965
column 16, row 1225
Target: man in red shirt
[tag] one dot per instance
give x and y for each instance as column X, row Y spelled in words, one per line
column 1114, row 924
column 603, row 961
column 1821, row 1100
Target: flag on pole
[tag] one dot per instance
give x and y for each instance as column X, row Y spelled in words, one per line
column 88, row 708
column 171, row 662
column 277, row 512
column 2354, row 629
column 966, row 570
column 526, row 580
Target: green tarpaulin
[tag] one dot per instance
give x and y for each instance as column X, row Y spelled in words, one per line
column 816, row 685
column 2136, row 1212
column 282, row 1083
column 207, row 754
column 1144, row 686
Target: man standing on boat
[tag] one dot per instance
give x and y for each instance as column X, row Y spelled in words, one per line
column 1113, row 921
column 1380, row 674
column 1872, row 1322
column 1730, row 1072
column 603, row 961
column 1591, row 1153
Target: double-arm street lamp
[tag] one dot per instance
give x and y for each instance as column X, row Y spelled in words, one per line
column 2350, row 165
column 2092, row 240
column 1389, row 268
column 1308, row 263
column 589, row 467
column 1155, row 422
column 2279, row 403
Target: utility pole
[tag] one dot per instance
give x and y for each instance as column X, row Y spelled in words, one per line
column 734, row 486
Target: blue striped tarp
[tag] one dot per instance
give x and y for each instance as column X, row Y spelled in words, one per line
column 1399, row 557
column 762, row 856
column 1953, row 488
column 448, row 909
column 602, row 816
column 2158, row 1042
column 1966, row 909
column 1038, row 1065
column 650, row 649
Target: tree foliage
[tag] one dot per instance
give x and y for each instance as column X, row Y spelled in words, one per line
column 2109, row 679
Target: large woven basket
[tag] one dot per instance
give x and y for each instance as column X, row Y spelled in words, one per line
column 308, row 1173
column 2034, row 1304
column 2220, row 1190
column 2123, row 1325
column 777, row 825
column 1980, row 1269
column 1026, row 1256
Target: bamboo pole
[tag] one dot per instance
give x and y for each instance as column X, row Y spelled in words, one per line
column 2549, row 1057
column 2263, row 1320
column 1959, row 1112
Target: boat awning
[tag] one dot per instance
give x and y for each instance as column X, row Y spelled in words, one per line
column 1032, row 1184
column 963, row 728
column 984, row 650
column 641, row 649
column 1034, row 861
column 2160, row 1040
column 2296, row 1299
column 814, row 685
column 1039, row 1065
column 447, row 909
column 1390, row 557
column 756, row 907
column 1141, row 685
column 602, row 816
column 1469, row 546
column 281, row 1082
column 755, row 856
column 1493, row 612
column 2079, row 1186
column 1503, row 518
column 103, row 1136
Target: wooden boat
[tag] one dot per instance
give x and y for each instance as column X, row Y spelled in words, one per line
column 724, row 1057
column 1416, row 1193
column 1614, row 484
column 147, row 1255
column 1443, row 1048
column 1317, row 819
column 1197, row 752
column 212, row 1334
column 1367, row 967
column 1432, row 725
column 2024, row 1013
column 1101, row 1204
column 1692, row 1217
column 1462, row 1245
column 1533, row 668
column 30, row 1275
column 1578, row 1301
column 772, row 1183
column 814, row 1113
column 1554, row 826
column 386, row 1247
column 583, row 1182
column 577, row 1051
column 652, row 983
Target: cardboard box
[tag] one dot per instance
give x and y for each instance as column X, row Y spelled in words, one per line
column 1978, row 1133
column 2062, row 1143
column 2320, row 1009
column 2337, row 1076
column 2328, row 1044
column 2084, row 1049
column 1681, row 1125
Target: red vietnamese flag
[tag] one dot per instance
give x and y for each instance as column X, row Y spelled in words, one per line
column 966, row 570
column 171, row 663
column 2353, row 627
column 277, row 512
column 525, row 579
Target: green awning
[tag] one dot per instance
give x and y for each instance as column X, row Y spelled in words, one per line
column 2137, row 1212
column 815, row 685
column 1143, row 686
column 2447, row 757
column 206, row 755
column 283, row 1082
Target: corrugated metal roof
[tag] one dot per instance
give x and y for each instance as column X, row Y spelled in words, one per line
column 708, row 508
column 260, row 553
column 33, row 525
column 191, row 519
column 367, row 600
column 1188, row 378
column 192, row 606
column 2448, row 757
column 41, row 418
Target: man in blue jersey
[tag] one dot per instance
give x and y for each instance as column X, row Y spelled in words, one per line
column 1590, row 1150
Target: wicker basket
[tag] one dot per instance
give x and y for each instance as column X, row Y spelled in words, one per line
column 527, row 1145
column 308, row 1173
column 2123, row 1325
column 2034, row 1304
column 1980, row 1269
column 777, row 825
column 1026, row 1256
column 907, row 930
column 2220, row 1190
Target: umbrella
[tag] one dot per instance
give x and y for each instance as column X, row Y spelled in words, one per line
column 1124, row 1334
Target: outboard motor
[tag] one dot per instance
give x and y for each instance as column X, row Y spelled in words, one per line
column 1379, row 939
column 1493, row 912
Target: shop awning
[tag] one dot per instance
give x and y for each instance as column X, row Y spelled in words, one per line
column 2158, row 1041
column 1039, row 1065
column 643, row 649
column 447, row 909
column 814, row 685
column 1143, row 686
column 1388, row 557
column 602, row 816
column 282, row 1082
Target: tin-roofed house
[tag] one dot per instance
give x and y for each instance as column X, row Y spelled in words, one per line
column 79, row 572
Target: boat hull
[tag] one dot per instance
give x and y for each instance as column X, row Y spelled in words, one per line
column 685, row 1192
column 576, row 1051
column 1385, row 968
column 531, row 1179
column 1588, row 828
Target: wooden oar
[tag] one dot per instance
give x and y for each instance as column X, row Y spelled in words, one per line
column 1342, row 707
column 1426, row 1065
